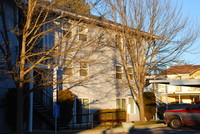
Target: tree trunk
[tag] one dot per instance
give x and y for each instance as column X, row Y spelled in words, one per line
column 141, row 105
column 20, row 108
column 20, row 96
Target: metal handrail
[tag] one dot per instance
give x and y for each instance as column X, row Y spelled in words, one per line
column 44, row 99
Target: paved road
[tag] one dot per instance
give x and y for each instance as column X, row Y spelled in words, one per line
column 150, row 129
column 163, row 130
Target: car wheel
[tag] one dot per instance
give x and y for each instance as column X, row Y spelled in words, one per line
column 175, row 123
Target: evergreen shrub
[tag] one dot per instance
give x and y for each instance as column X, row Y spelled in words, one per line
column 66, row 103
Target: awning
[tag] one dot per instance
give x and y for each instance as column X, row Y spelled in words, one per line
column 183, row 82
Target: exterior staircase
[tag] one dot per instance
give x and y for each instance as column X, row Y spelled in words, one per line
column 43, row 106
column 44, row 113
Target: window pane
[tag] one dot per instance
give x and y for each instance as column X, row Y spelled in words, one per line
column 84, row 65
column 82, row 37
column 68, row 71
column 118, row 103
column 86, row 104
column 130, row 70
column 123, row 104
column 67, row 34
column 118, row 41
column 83, row 72
column 131, row 76
column 67, row 26
column 118, row 68
column 195, row 106
column 81, row 28
column 68, row 63
column 118, row 75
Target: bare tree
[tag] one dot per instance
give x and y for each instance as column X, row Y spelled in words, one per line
column 150, row 33
column 48, row 37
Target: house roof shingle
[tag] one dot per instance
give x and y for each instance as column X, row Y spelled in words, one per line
column 184, row 69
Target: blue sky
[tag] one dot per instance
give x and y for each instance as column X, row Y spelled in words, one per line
column 191, row 8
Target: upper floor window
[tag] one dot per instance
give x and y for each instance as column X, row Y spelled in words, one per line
column 84, row 68
column 82, row 29
column 67, row 26
column 130, row 72
column 118, row 41
column 67, row 34
column 82, row 33
column 82, row 37
column 68, row 69
column 119, row 72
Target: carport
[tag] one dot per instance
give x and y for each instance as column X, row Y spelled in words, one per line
column 178, row 82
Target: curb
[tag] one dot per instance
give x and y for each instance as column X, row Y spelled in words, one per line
column 149, row 126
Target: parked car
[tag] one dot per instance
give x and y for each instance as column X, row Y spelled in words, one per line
column 162, row 108
column 189, row 116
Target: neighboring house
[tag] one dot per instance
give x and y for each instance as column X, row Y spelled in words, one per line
column 179, row 92
column 101, row 85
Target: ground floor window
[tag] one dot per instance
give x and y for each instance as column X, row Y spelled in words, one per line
column 121, row 103
column 82, row 110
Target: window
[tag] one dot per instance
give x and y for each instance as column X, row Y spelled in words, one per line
column 130, row 72
column 68, row 70
column 67, row 34
column 102, row 38
column 82, row 110
column 121, row 103
column 82, row 37
column 83, row 69
column 67, row 26
column 195, row 106
column 118, row 41
column 82, row 33
column 82, row 29
column 119, row 72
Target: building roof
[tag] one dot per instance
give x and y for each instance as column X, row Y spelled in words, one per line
column 183, row 69
column 100, row 21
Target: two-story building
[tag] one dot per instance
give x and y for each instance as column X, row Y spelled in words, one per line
column 92, row 71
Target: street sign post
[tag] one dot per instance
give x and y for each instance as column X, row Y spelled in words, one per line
column 56, row 114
